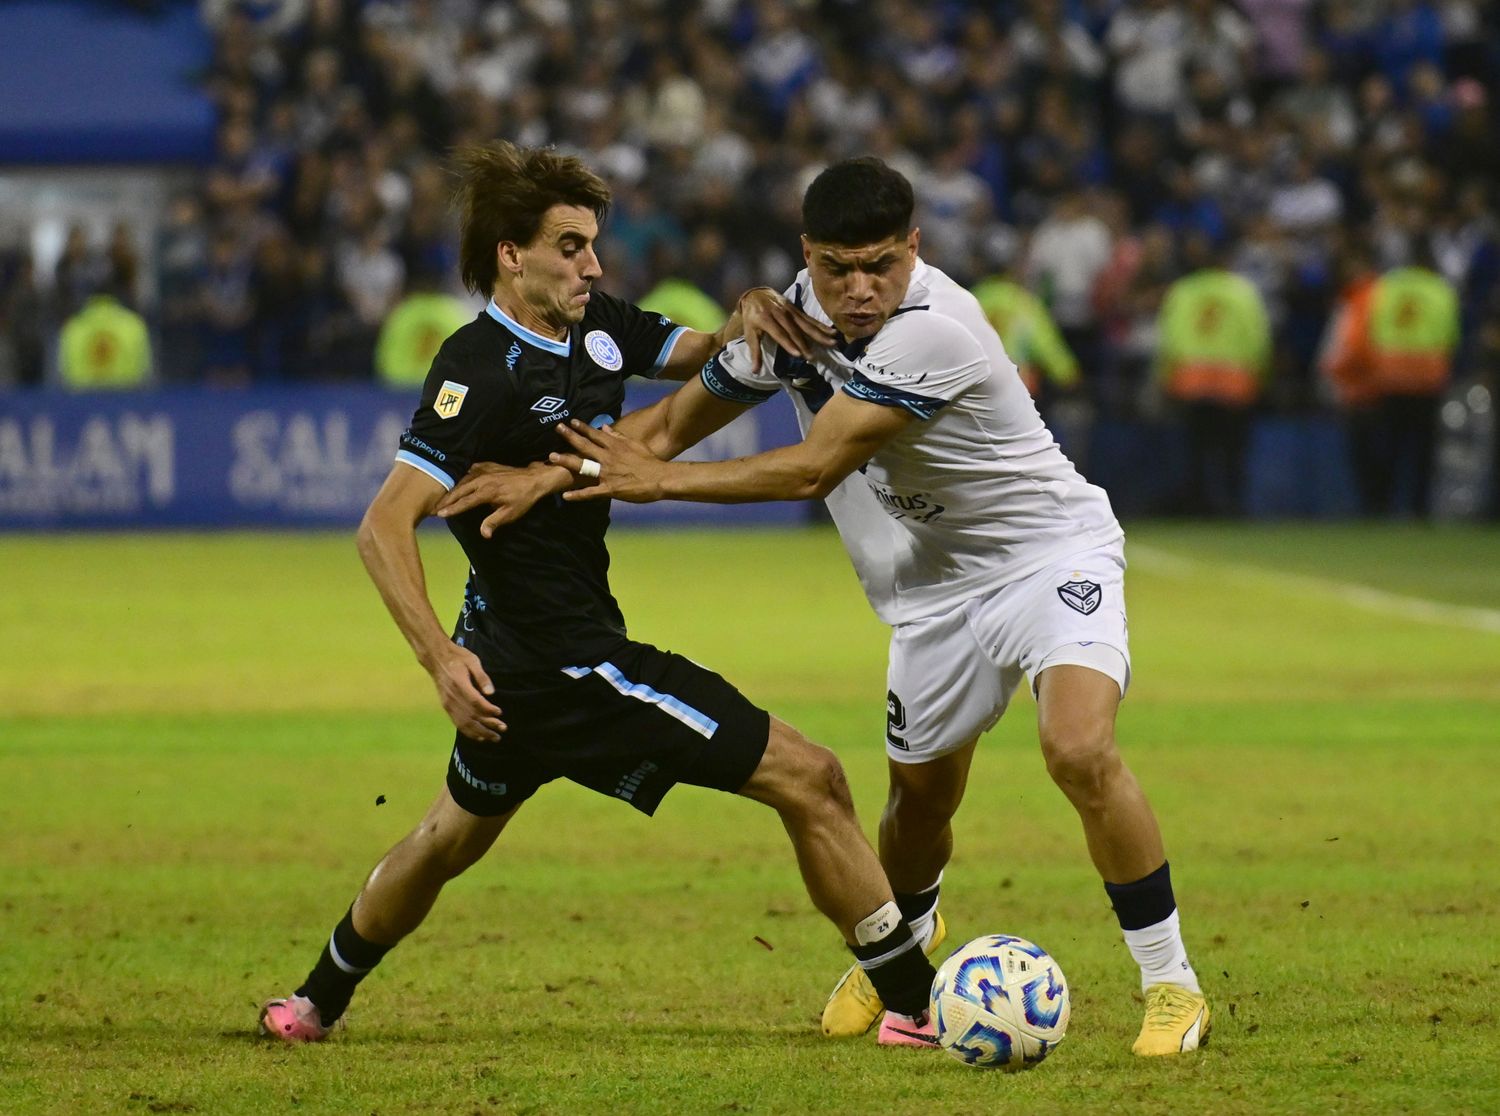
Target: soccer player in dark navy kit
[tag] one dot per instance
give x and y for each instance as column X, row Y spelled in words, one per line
column 540, row 678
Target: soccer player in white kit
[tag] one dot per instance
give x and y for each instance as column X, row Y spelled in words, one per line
column 974, row 538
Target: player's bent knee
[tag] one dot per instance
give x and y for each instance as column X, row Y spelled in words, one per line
column 797, row 776
column 926, row 805
column 1081, row 761
column 450, row 840
column 819, row 784
column 829, row 777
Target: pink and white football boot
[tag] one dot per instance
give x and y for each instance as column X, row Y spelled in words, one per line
column 294, row 1019
column 903, row 1030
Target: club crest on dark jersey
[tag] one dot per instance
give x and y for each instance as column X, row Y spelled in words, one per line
column 1081, row 596
column 603, row 351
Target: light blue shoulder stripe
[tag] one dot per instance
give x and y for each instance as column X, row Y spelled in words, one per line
column 406, row 457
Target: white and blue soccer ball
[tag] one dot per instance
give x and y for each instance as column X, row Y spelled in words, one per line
column 1000, row 1002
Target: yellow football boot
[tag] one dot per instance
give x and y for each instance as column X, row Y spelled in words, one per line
column 1176, row 1021
column 854, row 1004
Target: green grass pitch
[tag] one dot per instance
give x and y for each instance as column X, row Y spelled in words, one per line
column 196, row 733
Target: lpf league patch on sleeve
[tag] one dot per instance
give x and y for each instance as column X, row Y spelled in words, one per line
column 450, row 399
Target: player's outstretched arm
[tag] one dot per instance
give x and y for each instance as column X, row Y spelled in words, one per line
column 762, row 315
column 682, row 419
column 387, row 540
column 512, row 492
column 665, row 428
column 846, row 434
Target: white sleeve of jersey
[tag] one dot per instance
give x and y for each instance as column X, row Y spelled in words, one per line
column 919, row 362
column 729, row 376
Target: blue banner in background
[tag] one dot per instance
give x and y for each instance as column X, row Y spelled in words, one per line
column 292, row 457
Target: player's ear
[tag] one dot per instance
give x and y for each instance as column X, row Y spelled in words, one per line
column 914, row 240
column 508, row 256
column 806, row 250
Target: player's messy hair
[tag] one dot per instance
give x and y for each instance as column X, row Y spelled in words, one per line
column 503, row 193
column 857, row 201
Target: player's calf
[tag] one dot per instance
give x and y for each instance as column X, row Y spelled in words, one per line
column 397, row 896
column 805, row 784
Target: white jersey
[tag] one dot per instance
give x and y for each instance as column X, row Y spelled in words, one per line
column 973, row 495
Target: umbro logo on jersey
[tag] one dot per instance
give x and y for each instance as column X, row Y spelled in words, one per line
column 1081, row 596
column 547, row 404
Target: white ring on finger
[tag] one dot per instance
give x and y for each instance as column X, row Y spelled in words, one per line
column 589, row 469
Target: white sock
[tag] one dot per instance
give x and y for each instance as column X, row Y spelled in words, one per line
column 924, row 928
column 925, row 924
column 1159, row 951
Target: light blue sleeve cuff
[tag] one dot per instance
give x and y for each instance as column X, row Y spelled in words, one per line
column 406, row 457
column 666, row 350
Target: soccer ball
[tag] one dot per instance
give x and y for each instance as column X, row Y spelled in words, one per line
column 1000, row 1002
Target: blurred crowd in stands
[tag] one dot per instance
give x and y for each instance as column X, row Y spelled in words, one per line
column 1082, row 158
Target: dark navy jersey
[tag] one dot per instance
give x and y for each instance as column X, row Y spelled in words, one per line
column 538, row 595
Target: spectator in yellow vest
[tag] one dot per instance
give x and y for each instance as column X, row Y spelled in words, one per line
column 1414, row 330
column 412, row 333
column 1030, row 336
column 1214, row 353
column 685, row 304
column 680, row 298
column 104, row 345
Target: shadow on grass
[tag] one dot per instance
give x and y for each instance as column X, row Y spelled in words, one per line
column 607, row 1032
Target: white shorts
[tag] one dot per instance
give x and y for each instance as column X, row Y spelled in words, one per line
column 952, row 675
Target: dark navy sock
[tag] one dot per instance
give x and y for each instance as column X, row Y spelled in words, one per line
column 345, row 961
column 899, row 970
column 1146, row 901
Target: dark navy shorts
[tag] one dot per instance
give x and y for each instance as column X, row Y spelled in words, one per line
column 631, row 727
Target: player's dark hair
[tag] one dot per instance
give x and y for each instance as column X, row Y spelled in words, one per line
column 503, row 193
column 857, row 201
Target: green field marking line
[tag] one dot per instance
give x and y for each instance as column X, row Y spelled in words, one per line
column 1353, row 594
